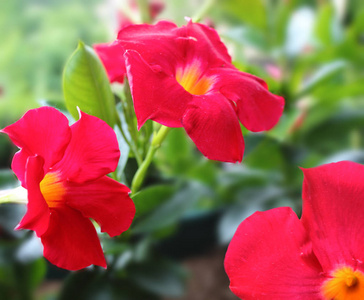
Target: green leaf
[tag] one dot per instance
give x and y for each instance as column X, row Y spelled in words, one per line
column 176, row 156
column 18, row 276
column 149, row 198
column 250, row 12
column 327, row 25
column 321, row 76
column 29, row 276
column 281, row 15
column 163, row 278
column 123, row 143
column 7, row 179
column 247, row 36
column 336, row 133
column 85, row 85
column 92, row 284
column 10, row 216
column 172, row 210
column 267, row 148
column 250, row 200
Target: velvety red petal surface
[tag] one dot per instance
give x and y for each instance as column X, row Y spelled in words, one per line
column 104, row 200
column 18, row 165
column 92, row 152
column 37, row 215
column 333, row 213
column 165, row 45
column 200, row 41
column 158, row 44
column 156, row 95
column 269, row 258
column 112, row 58
column 71, row 241
column 43, row 131
column 258, row 109
column 211, row 122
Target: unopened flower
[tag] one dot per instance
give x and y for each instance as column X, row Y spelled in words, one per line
column 183, row 77
column 275, row 255
column 64, row 171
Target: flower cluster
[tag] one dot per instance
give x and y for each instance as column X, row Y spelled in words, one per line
column 64, row 171
column 184, row 77
column 179, row 77
column 275, row 255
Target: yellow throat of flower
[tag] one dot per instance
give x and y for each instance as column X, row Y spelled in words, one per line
column 52, row 189
column 191, row 78
column 345, row 284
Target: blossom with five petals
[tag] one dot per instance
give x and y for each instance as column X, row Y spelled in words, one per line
column 64, row 171
column 184, row 77
column 275, row 255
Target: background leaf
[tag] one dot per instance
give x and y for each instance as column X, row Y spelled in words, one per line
column 85, row 84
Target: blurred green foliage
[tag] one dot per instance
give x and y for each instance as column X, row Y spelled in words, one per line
column 310, row 52
column 37, row 38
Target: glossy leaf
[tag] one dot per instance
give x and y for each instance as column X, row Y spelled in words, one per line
column 85, row 85
column 149, row 198
column 172, row 210
column 322, row 75
column 91, row 285
column 160, row 277
column 250, row 12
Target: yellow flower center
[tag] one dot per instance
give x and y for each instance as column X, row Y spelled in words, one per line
column 345, row 284
column 193, row 80
column 52, row 189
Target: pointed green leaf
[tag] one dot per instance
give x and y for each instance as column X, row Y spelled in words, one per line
column 85, row 85
column 160, row 277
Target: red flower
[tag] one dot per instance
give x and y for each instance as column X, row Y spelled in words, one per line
column 113, row 66
column 64, row 170
column 275, row 255
column 183, row 77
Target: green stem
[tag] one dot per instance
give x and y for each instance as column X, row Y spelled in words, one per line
column 118, row 123
column 355, row 139
column 143, row 6
column 130, row 114
column 17, row 195
column 131, row 145
column 207, row 5
column 128, row 109
column 142, row 171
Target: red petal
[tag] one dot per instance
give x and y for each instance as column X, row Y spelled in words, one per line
column 112, row 58
column 203, row 42
column 211, row 122
column 44, row 132
column 71, row 241
column 266, row 259
column 158, row 44
column 165, row 45
column 156, row 95
column 92, row 152
column 104, row 200
column 258, row 109
column 37, row 215
column 333, row 211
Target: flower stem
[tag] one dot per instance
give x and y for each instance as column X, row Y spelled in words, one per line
column 131, row 145
column 143, row 6
column 129, row 114
column 155, row 144
column 17, row 195
column 206, row 6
